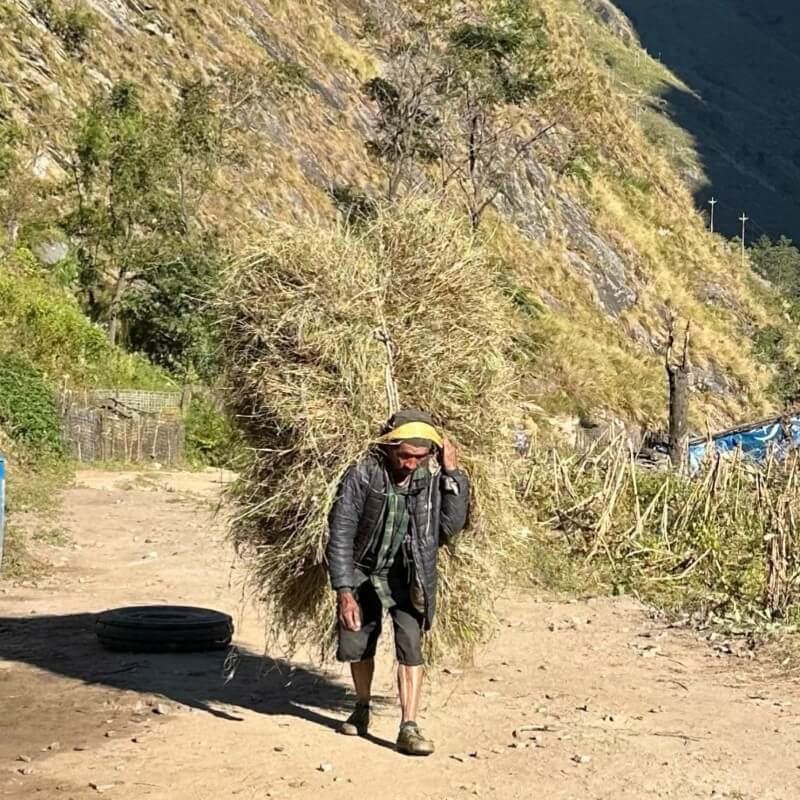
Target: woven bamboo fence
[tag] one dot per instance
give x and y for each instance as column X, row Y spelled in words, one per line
column 129, row 427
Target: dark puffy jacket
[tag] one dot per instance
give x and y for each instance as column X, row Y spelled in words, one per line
column 439, row 504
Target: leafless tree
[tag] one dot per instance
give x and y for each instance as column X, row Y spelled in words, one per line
column 463, row 98
column 487, row 145
column 407, row 101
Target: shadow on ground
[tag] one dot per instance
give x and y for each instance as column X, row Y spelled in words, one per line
column 66, row 645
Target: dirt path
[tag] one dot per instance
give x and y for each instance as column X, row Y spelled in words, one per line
column 616, row 706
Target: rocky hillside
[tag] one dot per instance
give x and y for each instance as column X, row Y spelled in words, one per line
column 596, row 223
column 738, row 63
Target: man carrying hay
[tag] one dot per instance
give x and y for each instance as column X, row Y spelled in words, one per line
column 392, row 512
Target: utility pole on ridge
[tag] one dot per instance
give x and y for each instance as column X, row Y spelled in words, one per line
column 743, row 219
column 712, row 202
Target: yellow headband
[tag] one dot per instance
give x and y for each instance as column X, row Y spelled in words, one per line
column 413, row 430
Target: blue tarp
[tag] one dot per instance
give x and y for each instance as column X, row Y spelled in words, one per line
column 755, row 442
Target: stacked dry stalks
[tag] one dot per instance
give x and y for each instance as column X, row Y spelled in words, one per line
column 726, row 542
column 322, row 327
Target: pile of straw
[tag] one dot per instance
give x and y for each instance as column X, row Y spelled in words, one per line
column 726, row 543
column 319, row 325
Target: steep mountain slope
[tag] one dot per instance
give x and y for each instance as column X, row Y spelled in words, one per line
column 598, row 253
column 739, row 62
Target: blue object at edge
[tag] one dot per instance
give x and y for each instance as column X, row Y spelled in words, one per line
column 755, row 443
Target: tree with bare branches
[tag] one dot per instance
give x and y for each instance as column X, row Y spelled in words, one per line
column 462, row 97
column 496, row 67
column 407, row 120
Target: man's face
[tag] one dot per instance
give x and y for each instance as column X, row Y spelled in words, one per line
column 404, row 458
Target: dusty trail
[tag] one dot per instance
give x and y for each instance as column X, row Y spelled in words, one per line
column 619, row 706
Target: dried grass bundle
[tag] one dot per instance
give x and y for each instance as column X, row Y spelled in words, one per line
column 314, row 321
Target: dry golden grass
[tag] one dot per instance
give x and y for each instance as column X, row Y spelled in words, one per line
column 306, row 376
column 587, row 349
column 725, row 543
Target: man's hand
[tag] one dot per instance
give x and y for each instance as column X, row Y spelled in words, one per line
column 449, row 456
column 349, row 612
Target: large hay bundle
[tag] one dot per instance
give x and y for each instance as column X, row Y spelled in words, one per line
column 304, row 319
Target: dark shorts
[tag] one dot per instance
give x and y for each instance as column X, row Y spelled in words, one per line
column 360, row 645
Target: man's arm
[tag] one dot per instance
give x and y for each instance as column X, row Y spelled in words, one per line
column 455, row 495
column 342, row 527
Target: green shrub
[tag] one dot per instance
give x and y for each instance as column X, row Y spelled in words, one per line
column 355, row 206
column 289, row 78
column 76, row 27
column 27, row 406
column 211, row 438
column 42, row 322
column 10, row 134
column 73, row 25
column 45, row 11
column 775, row 346
column 779, row 262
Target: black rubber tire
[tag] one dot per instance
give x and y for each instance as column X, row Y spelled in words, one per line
column 164, row 629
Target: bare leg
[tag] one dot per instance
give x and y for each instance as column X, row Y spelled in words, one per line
column 362, row 672
column 409, row 684
column 357, row 723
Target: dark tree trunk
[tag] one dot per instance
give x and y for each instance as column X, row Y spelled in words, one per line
column 678, row 416
column 678, row 375
column 116, row 305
